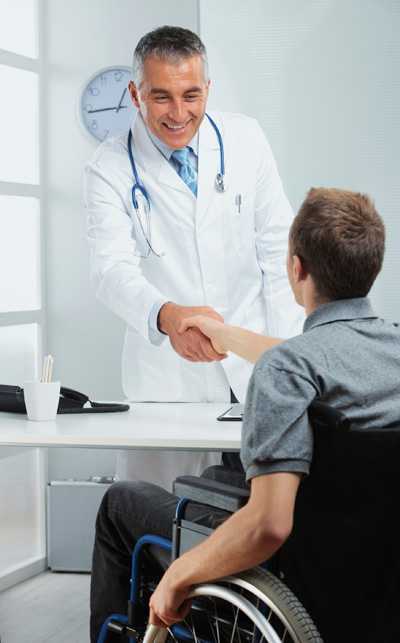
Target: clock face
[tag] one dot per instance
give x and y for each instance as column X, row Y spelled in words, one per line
column 106, row 108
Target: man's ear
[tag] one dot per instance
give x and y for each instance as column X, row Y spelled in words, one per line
column 298, row 269
column 134, row 93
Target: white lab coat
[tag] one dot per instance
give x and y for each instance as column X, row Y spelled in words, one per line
column 213, row 255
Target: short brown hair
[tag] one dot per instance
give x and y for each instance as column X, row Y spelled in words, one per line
column 340, row 239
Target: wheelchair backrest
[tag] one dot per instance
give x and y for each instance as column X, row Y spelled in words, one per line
column 342, row 556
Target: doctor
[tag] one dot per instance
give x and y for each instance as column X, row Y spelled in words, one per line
column 186, row 215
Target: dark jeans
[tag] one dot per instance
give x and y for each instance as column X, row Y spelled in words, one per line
column 128, row 511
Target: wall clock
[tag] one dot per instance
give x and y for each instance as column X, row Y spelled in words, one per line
column 105, row 106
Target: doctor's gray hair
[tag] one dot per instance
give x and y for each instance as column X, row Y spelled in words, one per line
column 169, row 43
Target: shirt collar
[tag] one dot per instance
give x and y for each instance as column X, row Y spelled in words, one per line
column 340, row 310
column 168, row 151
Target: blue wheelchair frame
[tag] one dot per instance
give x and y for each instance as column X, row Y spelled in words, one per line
column 119, row 623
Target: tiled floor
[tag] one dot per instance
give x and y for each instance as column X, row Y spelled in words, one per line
column 50, row 608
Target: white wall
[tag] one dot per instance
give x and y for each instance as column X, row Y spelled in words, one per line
column 323, row 79
column 80, row 37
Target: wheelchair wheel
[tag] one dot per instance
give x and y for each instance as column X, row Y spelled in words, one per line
column 251, row 607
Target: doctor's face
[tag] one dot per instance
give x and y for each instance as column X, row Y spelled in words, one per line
column 172, row 98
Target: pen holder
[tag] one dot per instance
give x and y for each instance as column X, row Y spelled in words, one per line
column 41, row 400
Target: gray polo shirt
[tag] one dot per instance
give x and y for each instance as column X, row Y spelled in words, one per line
column 346, row 357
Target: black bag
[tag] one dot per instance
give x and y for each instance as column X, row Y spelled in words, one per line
column 12, row 400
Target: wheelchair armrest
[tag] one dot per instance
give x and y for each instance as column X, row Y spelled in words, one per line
column 210, row 492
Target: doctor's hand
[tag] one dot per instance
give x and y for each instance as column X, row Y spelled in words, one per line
column 191, row 343
column 213, row 328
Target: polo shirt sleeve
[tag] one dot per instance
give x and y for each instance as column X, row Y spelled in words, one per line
column 276, row 435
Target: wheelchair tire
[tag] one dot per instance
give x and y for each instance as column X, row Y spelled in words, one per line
column 274, row 594
column 247, row 608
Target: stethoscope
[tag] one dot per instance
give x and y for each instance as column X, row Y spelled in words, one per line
column 139, row 188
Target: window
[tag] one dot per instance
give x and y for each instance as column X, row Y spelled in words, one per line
column 21, row 274
column 19, row 134
column 20, row 203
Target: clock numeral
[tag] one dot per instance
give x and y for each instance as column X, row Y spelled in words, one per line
column 105, row 102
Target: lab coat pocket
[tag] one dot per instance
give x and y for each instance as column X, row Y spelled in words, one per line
column 241, row 221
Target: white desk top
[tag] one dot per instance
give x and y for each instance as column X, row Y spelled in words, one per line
column 145, row 426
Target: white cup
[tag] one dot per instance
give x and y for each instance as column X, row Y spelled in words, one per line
column 41, row 400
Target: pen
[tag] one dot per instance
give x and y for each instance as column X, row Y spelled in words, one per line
column 238, row 202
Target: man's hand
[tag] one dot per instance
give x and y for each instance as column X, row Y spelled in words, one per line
column 210, row 327
column 168, row 605
column 191, row 344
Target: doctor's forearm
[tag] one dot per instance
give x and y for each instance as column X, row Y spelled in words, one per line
column 245, row 343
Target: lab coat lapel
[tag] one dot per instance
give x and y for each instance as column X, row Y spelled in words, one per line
column 209, row 162
column 153, row 162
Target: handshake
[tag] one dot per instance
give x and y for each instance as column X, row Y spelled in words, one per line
column 196, row 333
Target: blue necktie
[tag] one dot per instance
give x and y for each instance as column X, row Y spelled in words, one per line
column 185, row 170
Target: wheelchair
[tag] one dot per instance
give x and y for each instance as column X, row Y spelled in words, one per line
column 345, row 509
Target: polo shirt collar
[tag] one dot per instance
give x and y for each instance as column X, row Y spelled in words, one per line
column 340, row 310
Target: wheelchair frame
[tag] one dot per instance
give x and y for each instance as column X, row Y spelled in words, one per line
column 122, row 624
column 187, row 534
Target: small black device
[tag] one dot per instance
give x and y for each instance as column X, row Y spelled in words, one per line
column 233, row 414
column 12, row 401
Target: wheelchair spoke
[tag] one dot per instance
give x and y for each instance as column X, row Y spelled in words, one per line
column 212, row 629
column 256, row 634
column 236, row 616
column 193, row 628
column 216, row 621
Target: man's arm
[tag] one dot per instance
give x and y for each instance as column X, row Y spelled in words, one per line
column 224, row 338
column 120, row 283
column 247, row 538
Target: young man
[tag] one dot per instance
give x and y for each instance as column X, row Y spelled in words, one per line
column 336, row 248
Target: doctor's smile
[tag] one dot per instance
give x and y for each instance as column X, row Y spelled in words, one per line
column 171, row 97
column 178, row 129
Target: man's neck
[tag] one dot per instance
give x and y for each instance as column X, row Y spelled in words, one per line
column 311, row 299
column 313, row 304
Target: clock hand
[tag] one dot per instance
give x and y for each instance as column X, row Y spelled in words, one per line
column 120, row 102
column 105, row 109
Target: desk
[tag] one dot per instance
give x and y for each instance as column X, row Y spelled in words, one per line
column 185, row 426
column 144, row 426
